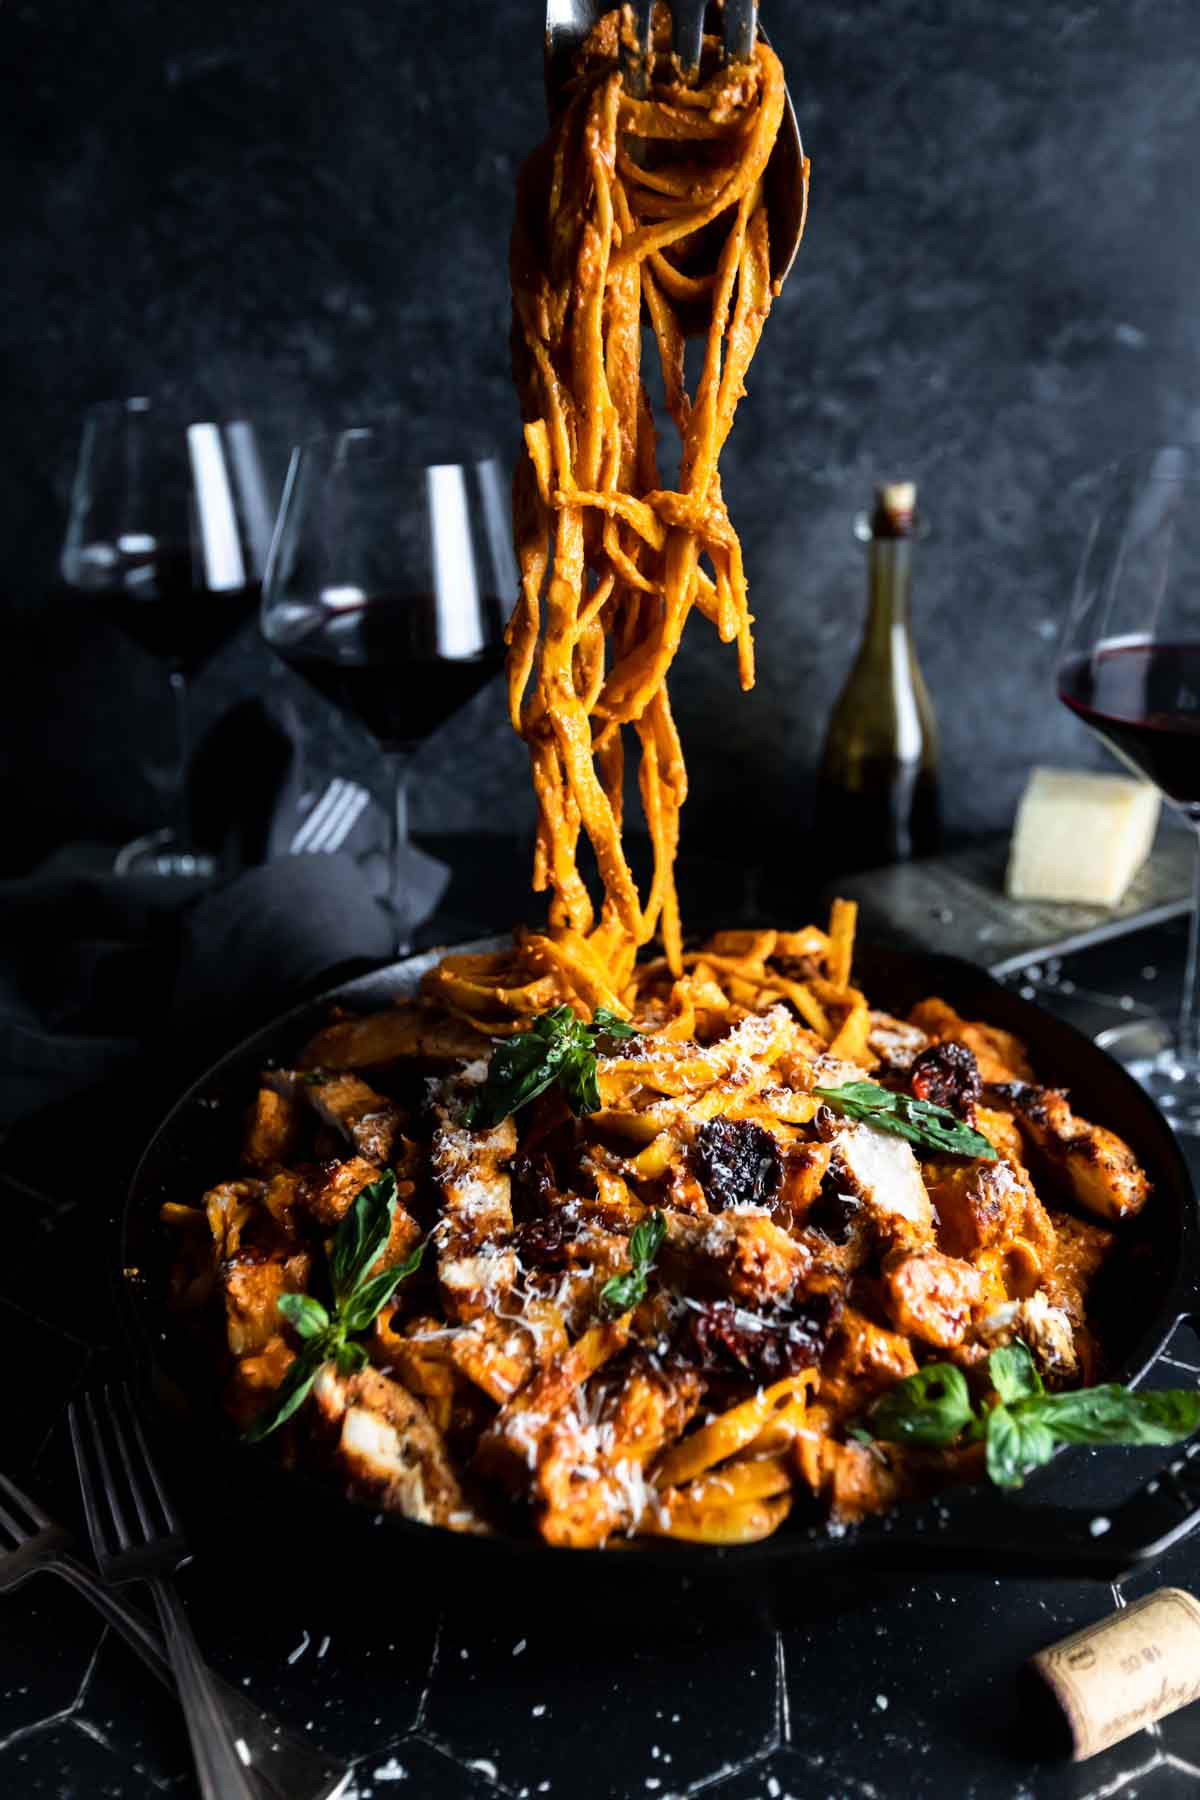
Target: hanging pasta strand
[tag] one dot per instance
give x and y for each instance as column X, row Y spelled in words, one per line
column 632, row 210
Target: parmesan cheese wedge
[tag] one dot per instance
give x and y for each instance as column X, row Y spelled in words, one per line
column 1080, row 836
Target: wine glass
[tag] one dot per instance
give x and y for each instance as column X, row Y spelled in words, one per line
column 1130, row 669
column 168, row 531
column 388, row 587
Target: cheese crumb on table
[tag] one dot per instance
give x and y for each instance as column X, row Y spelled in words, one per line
column 1080, row 836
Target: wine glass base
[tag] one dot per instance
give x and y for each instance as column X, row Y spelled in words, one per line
column 1146, row 1048
column 158, row 853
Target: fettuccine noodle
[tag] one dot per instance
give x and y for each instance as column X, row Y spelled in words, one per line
column 631, row 206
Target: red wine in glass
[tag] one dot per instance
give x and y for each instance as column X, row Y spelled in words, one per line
column 374, row 660
column 387, row 590
column 1144, row 698
column 167, row 536
column 151, row 596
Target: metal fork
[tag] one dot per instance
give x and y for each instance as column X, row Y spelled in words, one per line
column 738, row 21
column 568, row 23
column 137, row 1536
column 32, row 1543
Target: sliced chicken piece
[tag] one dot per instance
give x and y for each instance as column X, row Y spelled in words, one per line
column 980, row 1205
column 879, row 1169
column 1080, row 1250
column 525, row 1430
column 500, row 1354
column 419, row 1353
column 744, row 1255
column 476, row 1268
column 406, row 1031
column 1003, row 1134
column 931, row 1297
column 475, row 1278
column 285, row 1192
column 328, row 1192
column 895, row 1042
column 252, row 1282
column 862, row 1360
column 229, row 1208
column 1044, row 1329
column 592, row 1481
column 1000, row 1055
column 391, row 1449
column 1101, row 1171
column 273, row 1128
column 860, row 1480
column 364, row 1119
column 805, row 1166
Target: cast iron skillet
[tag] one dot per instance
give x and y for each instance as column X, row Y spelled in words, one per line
column 1159, row 1284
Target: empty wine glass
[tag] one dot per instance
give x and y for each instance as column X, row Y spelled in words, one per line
column 169, row 526
column 388, row 587
column 1130, row 669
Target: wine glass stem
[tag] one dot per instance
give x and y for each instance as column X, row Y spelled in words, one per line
column 1189, row 1010
column 399, row 891
column 182, row 822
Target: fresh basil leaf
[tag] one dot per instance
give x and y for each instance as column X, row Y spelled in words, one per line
column 362, row 1234
column 522, row 1067
column 931, row 1127
column 580, row 1084
column 608, row 1023
column 1013, row 1374
column 1016, row 1442
column 557, row 1048
column 646, row 1239
column 623, row 1292
column 368, row 1299
column 292, row 1391
column 305, row 1315
column 1111, row 1414
column 350, row 1358
column 929, row 1408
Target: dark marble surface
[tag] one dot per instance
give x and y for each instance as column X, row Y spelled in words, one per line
column 909, row 1695
column 303, row 210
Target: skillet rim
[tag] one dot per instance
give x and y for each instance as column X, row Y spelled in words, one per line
column 145, row 1319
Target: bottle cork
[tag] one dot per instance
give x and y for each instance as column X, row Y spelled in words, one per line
column 894, row 513
column 1121, row 1674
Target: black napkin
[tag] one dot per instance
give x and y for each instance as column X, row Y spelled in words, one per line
column 102, row 973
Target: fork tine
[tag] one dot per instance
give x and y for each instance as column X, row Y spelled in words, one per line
column 88, row 1446
column 637, row 65
column 148, row 1465
column 739, row 19
column 11, row 1526
column 689, row 35
column 136, row 1487
column 29, row 1507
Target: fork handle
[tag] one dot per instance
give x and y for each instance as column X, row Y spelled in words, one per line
column 282, row 1768
column 219, row 1769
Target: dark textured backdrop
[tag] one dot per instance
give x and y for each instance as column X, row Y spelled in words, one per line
column 305, row 206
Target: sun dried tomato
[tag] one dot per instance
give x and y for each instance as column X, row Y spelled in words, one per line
column 719, row 1337
column 736, row 1163
column 542, row 1243
column 948, row 1075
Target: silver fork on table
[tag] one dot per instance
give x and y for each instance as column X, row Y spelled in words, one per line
column 32, row 1543
column 567, row 25
column 137, row 1535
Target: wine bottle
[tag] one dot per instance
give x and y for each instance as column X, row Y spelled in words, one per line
column 877, row 790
